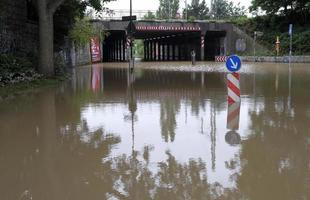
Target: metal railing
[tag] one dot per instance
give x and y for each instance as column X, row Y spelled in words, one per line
column 117, row 14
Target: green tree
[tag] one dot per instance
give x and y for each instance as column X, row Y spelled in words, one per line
column 168, row 9
column 224, row 9
column 293, row 9
column 198, row 10
column 149, row 16
column 83, row 30
column 46, row 11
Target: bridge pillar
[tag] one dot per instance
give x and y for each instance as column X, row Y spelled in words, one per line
column 119, row 50
column 149, row 50
column 113, row 50
column 154, row 50
column 159, row 50
column 173, row 52
column 124, row 49
column 162, row 56
column 168, row 51
column 164, row 51
column 116, row 49
column 145, row 50
column 202, row 47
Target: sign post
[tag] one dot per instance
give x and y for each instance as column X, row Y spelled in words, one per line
column 256, row 34
column 278, row 45
column 233, row 64
column 131, row 60
column 290, row 32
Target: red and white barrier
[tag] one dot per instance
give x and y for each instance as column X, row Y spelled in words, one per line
column 202, row 42
column 221, row 58
column 233, row 86
column 128, row 41
column 233, row 116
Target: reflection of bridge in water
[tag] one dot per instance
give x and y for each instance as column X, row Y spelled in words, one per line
column 151, row 84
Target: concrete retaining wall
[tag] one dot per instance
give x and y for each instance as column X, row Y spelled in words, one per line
column 18, row 33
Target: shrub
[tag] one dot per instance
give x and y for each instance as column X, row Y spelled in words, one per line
column 15, row 69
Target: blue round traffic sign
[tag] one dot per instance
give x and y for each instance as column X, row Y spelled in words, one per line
column 233, row 63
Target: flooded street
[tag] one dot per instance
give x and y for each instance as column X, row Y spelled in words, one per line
column 164, row 132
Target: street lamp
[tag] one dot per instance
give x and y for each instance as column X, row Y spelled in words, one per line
column 256, row 34
column 186, row 10
column 131, row 61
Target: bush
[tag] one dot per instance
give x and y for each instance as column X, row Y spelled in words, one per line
column 191, row 18
column 273, row 26
column 14, row 69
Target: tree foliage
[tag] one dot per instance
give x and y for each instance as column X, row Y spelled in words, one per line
column 149, row 15
column 281, row 6
column 198, row 10
column 224, row 9
column 294, row 10
column 168, row 9
column 83, row 30
column 220, row 9
column 47, row 10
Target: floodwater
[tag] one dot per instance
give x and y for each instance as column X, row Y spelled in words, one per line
column 162, row 133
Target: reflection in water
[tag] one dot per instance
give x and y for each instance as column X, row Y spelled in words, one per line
column 233, row 118
column 96, row 79
column 158, row 135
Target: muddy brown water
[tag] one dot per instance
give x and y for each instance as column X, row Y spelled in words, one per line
column 159, row 133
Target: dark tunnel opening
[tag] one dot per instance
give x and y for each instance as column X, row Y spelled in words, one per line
column 166, row 45
column 214, row 44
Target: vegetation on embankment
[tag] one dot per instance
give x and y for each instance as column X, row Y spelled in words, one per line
column 18, row 73
column 273, row 26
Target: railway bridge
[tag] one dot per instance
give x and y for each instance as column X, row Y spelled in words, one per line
column 174, row 41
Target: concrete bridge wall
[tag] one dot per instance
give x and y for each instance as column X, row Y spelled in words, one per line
column 175, row 40
column 170, row 41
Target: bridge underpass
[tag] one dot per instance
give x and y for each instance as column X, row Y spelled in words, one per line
column 170, row 41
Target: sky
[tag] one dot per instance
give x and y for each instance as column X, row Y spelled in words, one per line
column 153, row 4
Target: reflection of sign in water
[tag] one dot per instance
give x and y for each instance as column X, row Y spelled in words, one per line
column 96, row 79
column 233, row 117
column 240, row 45
column 95, row 50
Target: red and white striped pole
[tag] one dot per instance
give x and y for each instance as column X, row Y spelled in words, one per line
column 202, row 42
column 233, row 64
column 233, row 86
column 128, row 41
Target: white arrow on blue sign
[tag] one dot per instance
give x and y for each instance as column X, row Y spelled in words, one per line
column 233, row 63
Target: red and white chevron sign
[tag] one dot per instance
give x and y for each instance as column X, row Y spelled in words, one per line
column 221, row 58
column 233, row 116
column 233, row 86
column 168, row 28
